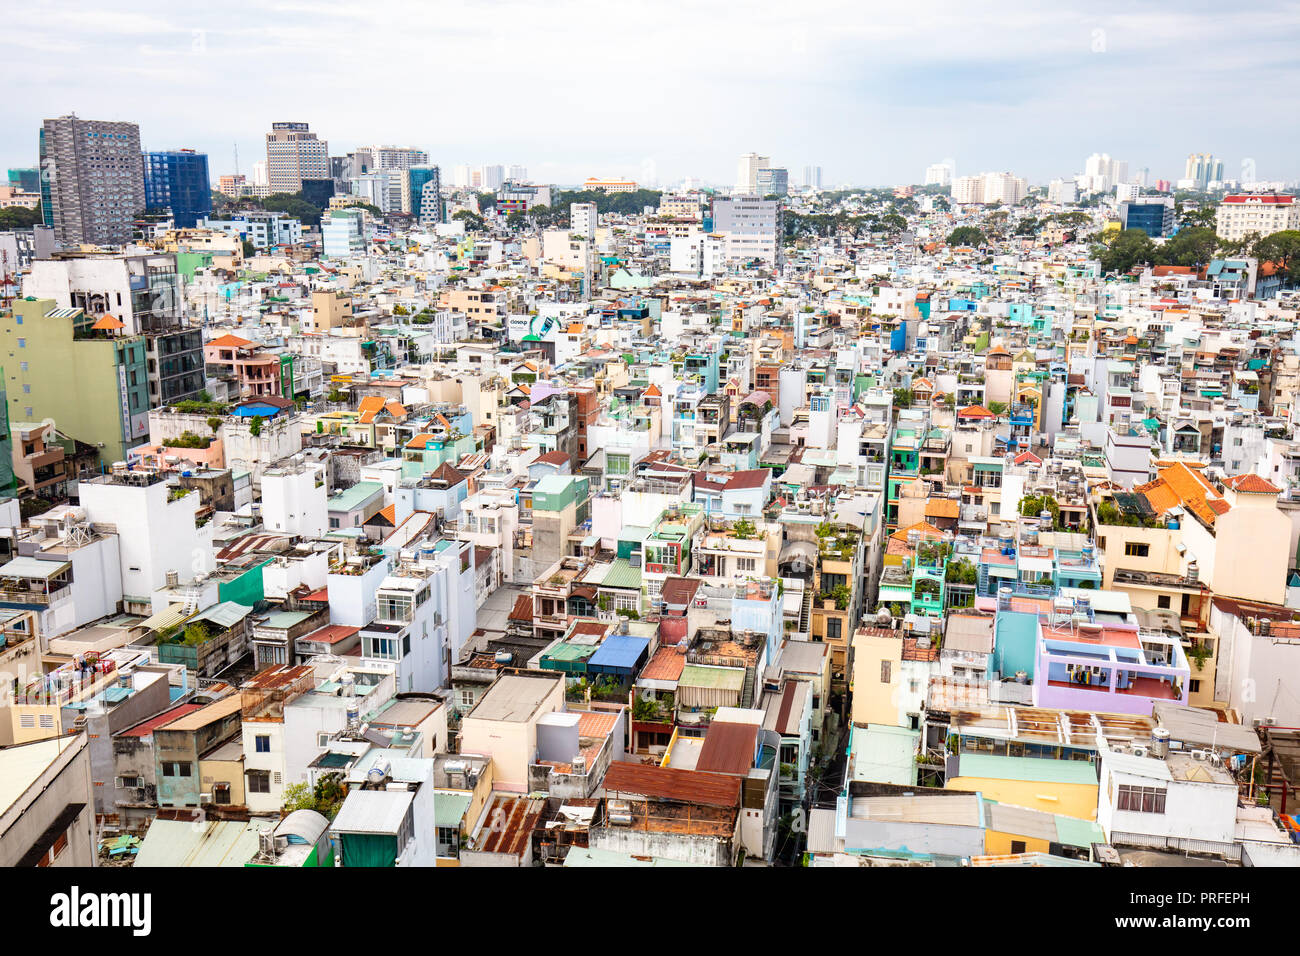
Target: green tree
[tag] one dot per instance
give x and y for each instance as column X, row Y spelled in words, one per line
column 473, row 221
column 903, row 397
column 1130, row 248
column 255, row 426
column 966, row 236
column 16, row 217
column 1190, row 247
column 486, row 201
column 1282, row 249
column 998, row 408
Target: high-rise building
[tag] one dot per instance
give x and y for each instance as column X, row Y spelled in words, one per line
column 517, row 174
column 747, row 172
column 461, row 177
column 1127, row 192
column 343, row 233
column 1154, row 215
column 92, row 180
column 938, row 174
column 583, row 217
column 423, row 194
column 376, row 189
column 178, row 180
column 1062, row 191
column 968, row 189
column 989, row 188
column 751, row 229
column 491, row 177
column 1203, row 169
column 1262, row 213
column 27, row 180
column 771, row 181
column 293, row 153
column 1101, row 173
column 812, row 177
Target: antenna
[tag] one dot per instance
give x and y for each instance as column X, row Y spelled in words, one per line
column 236, row 159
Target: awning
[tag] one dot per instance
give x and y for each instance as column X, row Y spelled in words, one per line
column 799, row 549
column 33, row 568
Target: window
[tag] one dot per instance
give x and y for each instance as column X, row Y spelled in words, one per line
column 886, row 669
column 221, row 793
column 1163, row 602
column 1017, row 846
column 745, row 564
column 1194, row 686
column 322, row 740
column 834, row 628
column 1134, row 550
column 262, row 744
column 1140, row 799
column 466, row 698
column 259, row 781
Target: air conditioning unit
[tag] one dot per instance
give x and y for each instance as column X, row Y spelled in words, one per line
column 1139, row 751
column 1269, row 721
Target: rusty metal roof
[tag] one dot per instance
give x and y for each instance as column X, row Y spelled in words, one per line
column 728, row 748
column 667, row 783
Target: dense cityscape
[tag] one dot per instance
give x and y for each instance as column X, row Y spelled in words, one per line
column 364, row 511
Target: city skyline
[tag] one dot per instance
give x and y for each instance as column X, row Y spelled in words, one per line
column 1018, row 73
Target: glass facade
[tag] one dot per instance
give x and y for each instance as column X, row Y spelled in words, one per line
column 178, row 180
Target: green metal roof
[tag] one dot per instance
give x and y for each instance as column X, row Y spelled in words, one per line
column 449, row 808
column 621, row 574
column 1027, row 769
column 703, row 675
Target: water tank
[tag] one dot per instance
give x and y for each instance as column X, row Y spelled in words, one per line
column 1159, row 742
column 353, row 712
column 1045, row 520
column 1173, row 524
column 503, row 657
column 173, row 578
column 1193, row 572
column 378, row 772
column 349, row 682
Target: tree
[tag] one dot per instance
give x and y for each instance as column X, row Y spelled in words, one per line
column 486, row 201
column 903, row 397
column 473, row 221
column 517, row 219
column 1028, row 227
column 744, row 529
column 1206, row 217
column 1282, row 249
column 255, row 426
column 893, row 223
column 966, row 236
column 1131, row 247
column 250, row 250
column 998, row 408
column 1190, row 247
column 16, row 217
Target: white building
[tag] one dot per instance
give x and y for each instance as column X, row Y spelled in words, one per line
column 583, row 219
column 747, row 172
column 294, row 500
column 156, row 535
column 1262, row 213
column 1183, row 796
column 751, row 229
column 1062, row 191
column 938, row 174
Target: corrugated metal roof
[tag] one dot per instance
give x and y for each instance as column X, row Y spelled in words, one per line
column 214, row 843
column 174, row 616
column 373, row 811
column 449, row 808
column 33, row 568
column 226, row 614
column 728, row 748
column 706, row 675
column 667, row 783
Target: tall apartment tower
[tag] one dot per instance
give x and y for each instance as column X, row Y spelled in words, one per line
column 92, row 180
column 747, row 172
column 293, row 153
column 583, row 218
column 422, row 193
column 178, row 179
column 812, row 177
column 938, row 174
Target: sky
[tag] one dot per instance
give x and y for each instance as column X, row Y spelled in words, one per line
column 657, row 90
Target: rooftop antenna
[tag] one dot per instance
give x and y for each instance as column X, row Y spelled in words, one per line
column 236, row 159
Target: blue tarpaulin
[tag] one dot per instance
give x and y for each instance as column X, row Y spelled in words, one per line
column 619, row 654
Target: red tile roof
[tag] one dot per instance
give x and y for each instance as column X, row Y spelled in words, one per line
column 1253, row 485
column 667, row 664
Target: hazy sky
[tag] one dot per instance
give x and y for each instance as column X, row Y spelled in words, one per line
column 659, row 90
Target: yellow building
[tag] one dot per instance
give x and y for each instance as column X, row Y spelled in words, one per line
column 877, row 666
column 1066, row 787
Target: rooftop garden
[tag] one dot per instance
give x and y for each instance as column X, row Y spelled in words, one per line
column 188, row 439
column 195, row 407
column 1109, row 513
